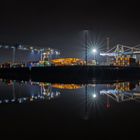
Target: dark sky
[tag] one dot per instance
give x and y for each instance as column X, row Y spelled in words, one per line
column 60, row 24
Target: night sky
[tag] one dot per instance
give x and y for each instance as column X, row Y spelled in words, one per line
column 60, row 25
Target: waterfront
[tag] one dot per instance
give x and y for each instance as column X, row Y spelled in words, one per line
column 42, row 107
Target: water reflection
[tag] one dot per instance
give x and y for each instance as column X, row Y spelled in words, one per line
column 103, row 97
column 25, row 91
column 21, row 91
column 68, row 107
column 121, row 92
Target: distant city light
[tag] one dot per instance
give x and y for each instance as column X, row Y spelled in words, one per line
column 31, row 48
column 32, row 51
column 25, row 48
column 44, row 53
column 57, row 53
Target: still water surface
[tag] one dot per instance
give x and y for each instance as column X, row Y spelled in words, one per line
column 39, row 107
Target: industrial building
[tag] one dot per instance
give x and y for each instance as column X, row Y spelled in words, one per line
column 67, row 61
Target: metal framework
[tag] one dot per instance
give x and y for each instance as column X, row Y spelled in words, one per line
column 121, row 96
column 119, row 50
column 47, row 51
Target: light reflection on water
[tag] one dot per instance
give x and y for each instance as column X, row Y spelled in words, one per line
column 69, row 106
column 22, row 91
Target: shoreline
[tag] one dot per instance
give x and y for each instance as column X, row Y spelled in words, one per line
column 71, row 73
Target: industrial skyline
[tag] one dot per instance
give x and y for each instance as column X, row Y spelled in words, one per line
column 60, row 25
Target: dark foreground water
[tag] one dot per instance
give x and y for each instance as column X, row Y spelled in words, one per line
column 50, row 109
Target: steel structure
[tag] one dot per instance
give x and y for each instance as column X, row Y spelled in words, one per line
column 120, row 96
column 119, row 50
column 42, row 51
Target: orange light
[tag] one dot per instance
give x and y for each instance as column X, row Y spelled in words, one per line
column 68, row 61
column 66, row 86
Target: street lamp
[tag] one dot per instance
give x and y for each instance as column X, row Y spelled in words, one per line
column 94, row 52
column 13, row 55
column 94, row 95
column 86, row 45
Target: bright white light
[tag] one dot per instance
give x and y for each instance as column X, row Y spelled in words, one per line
column 57, row 53
column 94, row 50
column 31, row 48
column 94, row 95
column 32, row 51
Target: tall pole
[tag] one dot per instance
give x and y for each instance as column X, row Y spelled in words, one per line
column 108, row 39
column 94, row 56
column 86, row 45
column 13, row 61
column 13, row 88
column 86, row 103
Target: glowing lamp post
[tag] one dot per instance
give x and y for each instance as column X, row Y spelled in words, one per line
column 94, row 95
column 14, row 51
column 94, row 52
